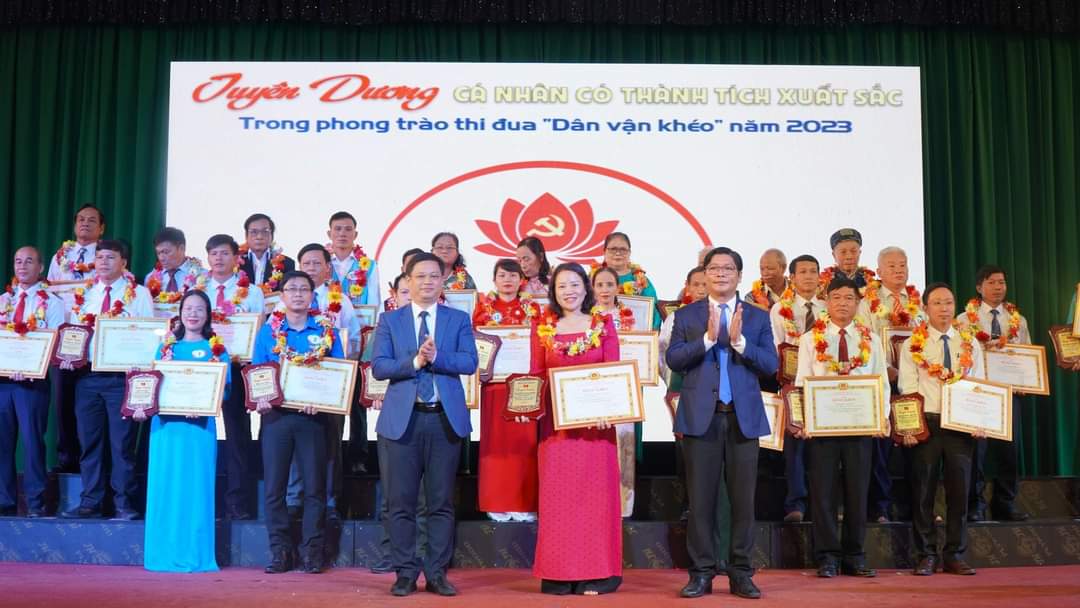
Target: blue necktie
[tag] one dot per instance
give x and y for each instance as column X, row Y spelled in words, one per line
column 995, row 325
column 82, row 258
column 946, row 356
column 315, row 301
column 425, row 383
column 722, row 342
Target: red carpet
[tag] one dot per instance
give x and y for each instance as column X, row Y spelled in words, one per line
column 70, row 586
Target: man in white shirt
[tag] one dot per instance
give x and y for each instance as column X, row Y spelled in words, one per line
column 958, row 354
column 357, row 273
column 174, row 273
column 24, row 403
column 98, row 395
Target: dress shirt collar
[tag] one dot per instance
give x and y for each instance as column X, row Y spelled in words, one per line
column 985, row 309
column 801, row 302
column 935, row 335
column 229, row 282
column 713, row 302
column 834, row 329
column 33, row 289
column 417, row 309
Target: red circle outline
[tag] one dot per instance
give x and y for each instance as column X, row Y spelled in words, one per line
column 548, row 164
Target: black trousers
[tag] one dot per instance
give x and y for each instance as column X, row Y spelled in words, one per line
column 68, row 451
column 357, row 448
column 286, row 436
column 237, row 449
column 108, row 441
column 952, row 451
column 848, row 457
column 721, row 455
column 24, row 412
column 1007, row 456
column 428, row 451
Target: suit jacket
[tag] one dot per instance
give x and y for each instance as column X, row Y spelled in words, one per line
column 393, row 351
column 249, row 269
column 701, row 381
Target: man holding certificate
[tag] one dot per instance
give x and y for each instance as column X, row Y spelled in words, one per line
column 24, row 403
column 837, row 345
column 722, row 346
column 112, row 293
column 997, row 324
column 298, row 337
column 939, row 352
column 423, row 350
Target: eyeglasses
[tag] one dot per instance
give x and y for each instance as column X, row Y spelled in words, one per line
column 618, row 250
column 721, row 270
column 296, row 290
column 260, row 232
column 445, row 248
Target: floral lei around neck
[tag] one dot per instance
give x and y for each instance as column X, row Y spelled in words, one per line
column 760, row 294
column 519, row 315
column 312, row 357
column 277, row 267
column 971, row 312
column 625, row 320
column 828, row 274
column 217, row 347
column 154, row 281
column 358, row 279
column 787, row 313
column 231, row 306
column 71, row 267
column 821, row 346
column 918, row 345
column 902, row 316
column 546, row 332
column 117, row 304
column 40, row 305
column 633, row 287
column 460, row 278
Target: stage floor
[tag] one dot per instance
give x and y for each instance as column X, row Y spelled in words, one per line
column 73, row 586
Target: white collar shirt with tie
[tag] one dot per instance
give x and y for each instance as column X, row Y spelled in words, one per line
column 58, row 272
column 914, row 379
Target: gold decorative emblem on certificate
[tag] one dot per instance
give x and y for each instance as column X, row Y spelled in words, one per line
column 191, row 388
column 1021, row 366
column 122, row 343
column 971, row 405
column 326, row 386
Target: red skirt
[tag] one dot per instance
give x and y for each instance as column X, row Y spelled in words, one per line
column 508, row 475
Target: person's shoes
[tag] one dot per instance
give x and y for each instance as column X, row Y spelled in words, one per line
column 1010, row 514
column 697, row 586
column 383, row 566
column 358, row 468
column 83, row 513
column 9, row 511
column 280, row 564
column 126, row 515
column 958, row 566
column 439, row 585
column 976, row 515
column 794, row 517
column 36, row 513
column 926, row 566
column 550, row 587
column 403, row 586
column 744, row 587
column 522, row 516
column 827, row 570
column 237, row 514
column 499, row 517
column 858, row 570
column 295, row 513
column 311, row 566
column 721, row 567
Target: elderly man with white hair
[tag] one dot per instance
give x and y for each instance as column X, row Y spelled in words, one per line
column 766, row 290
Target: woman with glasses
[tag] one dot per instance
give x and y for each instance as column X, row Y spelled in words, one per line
column 632, row 279
column 447, row 248
column 534, row 263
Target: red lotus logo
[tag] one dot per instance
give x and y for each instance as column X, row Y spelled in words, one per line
column 567, row 233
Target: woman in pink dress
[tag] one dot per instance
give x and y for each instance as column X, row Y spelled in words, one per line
column 579, row 541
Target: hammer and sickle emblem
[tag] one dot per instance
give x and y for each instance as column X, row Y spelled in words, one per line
column 553, row 225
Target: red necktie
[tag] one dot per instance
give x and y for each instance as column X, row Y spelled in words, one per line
column 842, row 355
column 220, row 297
column 171, row 287
column 21, row 308
column 106, row 302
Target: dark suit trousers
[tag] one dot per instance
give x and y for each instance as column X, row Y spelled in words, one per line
column 237, row 452
column 795, row 473
column 384, row 507
column 357, row 448
column 721, row 455
column 285, row 436
column 954, row 449
column 68, row 451
column 848, row 457
column 429, row 450
column 1007, row 482
column 108, row 441
column 24, row 411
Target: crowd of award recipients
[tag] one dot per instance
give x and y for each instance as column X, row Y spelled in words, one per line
column 723, row 355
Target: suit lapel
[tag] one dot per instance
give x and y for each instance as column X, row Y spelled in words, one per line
column 441, row 319
column 407, row 325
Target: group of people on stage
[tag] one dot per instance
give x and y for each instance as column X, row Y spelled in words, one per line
column 719, row 351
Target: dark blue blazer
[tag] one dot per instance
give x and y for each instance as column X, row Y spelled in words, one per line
column 392, row 359
column 686, row 354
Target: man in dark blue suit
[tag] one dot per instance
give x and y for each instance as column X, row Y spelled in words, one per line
column 722, row 347
column 423, row 349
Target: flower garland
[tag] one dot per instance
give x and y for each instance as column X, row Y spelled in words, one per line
column 281, row 345
column 72, row 267
column 358, row 278
column 461, row 278
column 787, row 313
column 971, row 311
column 898, row 316
column 821, row 346
column 633, row 287
column 760, row 294
column 334, row 297
column 153, row 282
column 918, row 345
column 117, row 305
column 37, row 319
column 520, row 315
column 828, row 274
column 546, row 332
column 217, row 347
column 277, row 267
column 239, row 295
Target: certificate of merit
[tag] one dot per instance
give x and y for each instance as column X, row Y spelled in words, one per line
column 583, row 395
column 844, row 405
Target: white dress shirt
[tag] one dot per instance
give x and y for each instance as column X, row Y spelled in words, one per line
column 58, row 273
column 346, row 317
column 141, row 306
column 798, row 309
column 986, row 319
column 914, row 379
column 888, row 301
column 739, row 346
column 343, row 267
column 432, row 311
column 258, row 265
column 54, row 306
column 810, row 366
column 254, row 302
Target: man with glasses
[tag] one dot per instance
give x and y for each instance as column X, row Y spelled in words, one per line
column 260, row 259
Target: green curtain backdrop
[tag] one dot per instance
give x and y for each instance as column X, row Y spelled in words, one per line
column 83, row 117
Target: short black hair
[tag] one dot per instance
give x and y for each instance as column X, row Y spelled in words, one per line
column 987, row 271
column 693, row 271
column 715, row 251
column 117, row 245
column 617, row 235
column 586, row 304
column 342, row 215
column 313, row 247
column 842, row 282
column 254, row 217
column 222, row 239
column 169, row 234
column 296, row 274
column 100, row 213
column 397, row 281
column 424, row 256
column 508, row 265
column 411, row 252
column 933, row 287
column 806, row 257
column 207, row 328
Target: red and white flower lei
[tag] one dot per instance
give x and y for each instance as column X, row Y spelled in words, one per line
column 231, row 307
column 117, row 304
column 971, row 312
column 905, row 316
column 217, row 347
column 312, row 357
column 546, row 332
column 154, row 282
column 521, row 315
column 19, row 326
column 760, row 295
column 937, row 370
column 828, row 274
column 277, row 267
column 821, row 346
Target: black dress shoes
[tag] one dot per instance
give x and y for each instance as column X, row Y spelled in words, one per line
column 383, row 566
column 83, row 513
column 858, row 570
column 958, row 566
column 926, row 566
column 697, row 587
column 551, row 587
column 1010, row 514
column 827, row 570
column 280, row 564
column 127, row 515
column 744, row 587
column 403, row 586
column 37, row 513
column 439, row 585
column 311, row 566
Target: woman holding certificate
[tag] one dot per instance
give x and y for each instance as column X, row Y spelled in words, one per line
column 535, row 266
column 632, row 279
column 508, row 482
column 579, row 541
column 183, row 458
column 447, row 248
